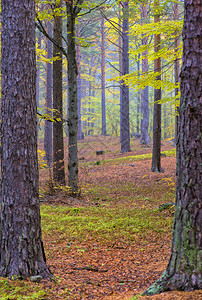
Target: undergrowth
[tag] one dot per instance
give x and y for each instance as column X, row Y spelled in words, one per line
column 18, row 289
column 67, row 223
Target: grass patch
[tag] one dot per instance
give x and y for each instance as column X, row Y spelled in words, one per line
column 20, row 289
column 129, row 159
column 103, row 224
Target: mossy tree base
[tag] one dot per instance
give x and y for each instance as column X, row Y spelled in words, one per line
column 176, row 282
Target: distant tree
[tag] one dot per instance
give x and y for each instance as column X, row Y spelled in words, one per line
column 145, row 139
column 21, row 248
column 156, row 153
column 48, row 134
column 124, row 126
column 184, row 270
column 104, row 132
column 58, row 141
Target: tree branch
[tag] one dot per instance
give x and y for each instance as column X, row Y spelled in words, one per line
column 44, row 32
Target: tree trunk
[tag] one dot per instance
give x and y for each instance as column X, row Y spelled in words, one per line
column 176, row 68
column 58, row 143
column 49, row 76
column 156, row 154
column 125, row 126
column 184, row 270
column 145, row 139
column 72, row 83
column 120, row 66
column 21, row 249
column 78, row 54
column 38, row 79
column 104, row 132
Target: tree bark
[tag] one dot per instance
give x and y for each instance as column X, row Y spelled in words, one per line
column 38, row 79
column 21, row 249
column 176, row 68
column 104, row 132
column 156, row 153
column 125, row 126
column 58, row 142
column 145, row 139
column 48, row 136
column 78, row 54
column 72, row 12
column 184, row 270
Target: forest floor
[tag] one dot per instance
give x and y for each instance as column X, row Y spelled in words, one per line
column 113, row 241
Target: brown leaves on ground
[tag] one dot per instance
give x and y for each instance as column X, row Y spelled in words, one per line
column 93, row 270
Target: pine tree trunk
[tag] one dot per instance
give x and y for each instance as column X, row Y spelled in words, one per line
column 78, row 54
column 125, row 126
column 21, row 248
column 58, row 143
column 72, row 83
column 38, row 79
column 176, row 67
column 156, row 153
column 145, row 139
column 103, row 76
column 48, row 143
column 120, row 66
column 184, row 270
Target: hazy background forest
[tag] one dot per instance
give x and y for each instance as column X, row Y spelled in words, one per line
column 99, row 60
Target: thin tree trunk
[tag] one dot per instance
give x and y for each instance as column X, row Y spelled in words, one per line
column 145, row 139
column 120, row 66
column 104, row 132
column 156, row 154
column 125, row 126
column 48, row 125
column 58, row 142
column 138, row 101
column 184, row 268
column 21, row 248
column 38, row 79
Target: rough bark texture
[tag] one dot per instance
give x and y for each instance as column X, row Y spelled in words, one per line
column 184, row 270
column 49, row 82
column 58, row 143
column 125, row 126
column 156, row 153
column 176, row 67
column 104, row 132
column 78, row 54
column 145, row 139
column 21, row 248
column 72, row 12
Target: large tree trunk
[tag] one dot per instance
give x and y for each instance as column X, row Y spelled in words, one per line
column 104, row 132
column 125, row 126
column 49, row 81
column 145, row 139
column 184, row 271
column 156, row 153
column 58, row 143
column 21, row 248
